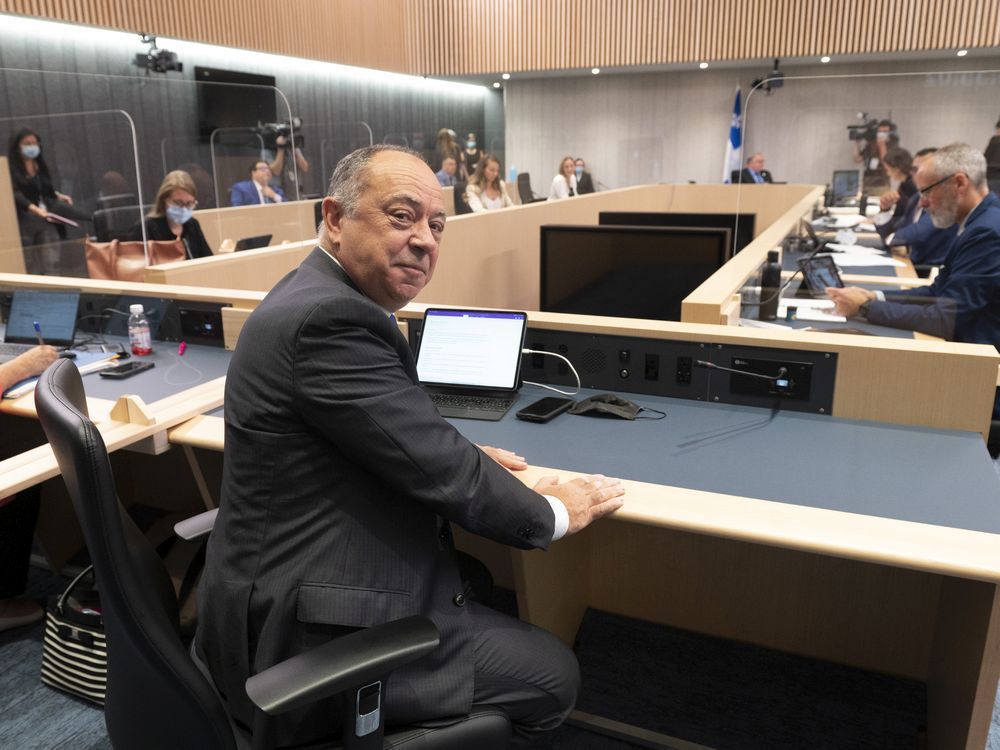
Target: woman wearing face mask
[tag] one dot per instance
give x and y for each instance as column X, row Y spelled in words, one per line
column 171, row 216
column 875, row 179
column 34, row 194
column 472, row 153
column 486, row 191
column 564, row 183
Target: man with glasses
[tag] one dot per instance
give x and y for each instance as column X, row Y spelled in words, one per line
column 963, row 302
column 256, row 190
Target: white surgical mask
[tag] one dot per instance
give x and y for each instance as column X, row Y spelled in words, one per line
column 31, row 151
column 179, row 214
column 470, row 144
column 882, row 135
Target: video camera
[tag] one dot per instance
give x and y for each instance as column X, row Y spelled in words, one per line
column 866, row 132
column 269, row 132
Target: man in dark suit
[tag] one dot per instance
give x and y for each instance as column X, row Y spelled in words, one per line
column 963, row 302
column 341, row 479
column 584, row 180
column 754, row 171
column 257, row 189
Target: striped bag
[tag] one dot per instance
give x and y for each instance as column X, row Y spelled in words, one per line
column 74, row 654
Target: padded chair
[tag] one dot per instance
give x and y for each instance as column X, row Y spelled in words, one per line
column 116, row 223
column 524, row 191
column 158, row 696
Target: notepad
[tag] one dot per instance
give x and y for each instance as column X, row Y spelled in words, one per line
column 85, row 362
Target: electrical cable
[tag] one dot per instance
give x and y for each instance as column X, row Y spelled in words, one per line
column 549, row 387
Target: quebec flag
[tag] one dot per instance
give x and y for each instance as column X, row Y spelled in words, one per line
column 732, row 160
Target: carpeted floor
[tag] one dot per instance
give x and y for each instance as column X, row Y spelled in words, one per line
column 717, row 693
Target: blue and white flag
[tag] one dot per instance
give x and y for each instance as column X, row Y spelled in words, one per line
column 733, row 144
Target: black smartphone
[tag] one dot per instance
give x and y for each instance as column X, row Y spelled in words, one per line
column 545, row 409
column 126, row 370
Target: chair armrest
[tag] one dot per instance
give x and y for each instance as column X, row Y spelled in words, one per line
column 343, row 664
column 197, row 526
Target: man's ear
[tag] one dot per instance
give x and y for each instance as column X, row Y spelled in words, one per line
column 331, row 219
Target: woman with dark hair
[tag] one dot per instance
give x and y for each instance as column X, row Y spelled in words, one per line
column 893, row 203
column 172, row 216
column 447, row 145
column 34, row 194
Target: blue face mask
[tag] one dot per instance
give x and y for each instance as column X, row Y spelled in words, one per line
column 31, row 151
column 579, row 171
column 179, row 214
column 470, row 144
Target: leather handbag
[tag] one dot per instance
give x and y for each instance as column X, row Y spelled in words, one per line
column 74, row 652
column 125, row 261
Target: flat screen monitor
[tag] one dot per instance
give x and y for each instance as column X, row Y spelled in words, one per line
column 232, row 99
column 626, row 271
column 845, row 184
column 741, row 225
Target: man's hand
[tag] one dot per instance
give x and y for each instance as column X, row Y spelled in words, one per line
column 29, row 364
column 505, row 458
column 849, row 299
column 586, row 499
column 280, row 141
column 268, row 192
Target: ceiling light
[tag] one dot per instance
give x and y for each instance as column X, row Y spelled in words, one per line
column 595, row 71
column 506, row 76
column 496, row 84
column 825, row 59
column 703, row 65
column 962, row 52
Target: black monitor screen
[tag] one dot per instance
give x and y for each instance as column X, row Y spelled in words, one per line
column 241, row 101
column 628, row 272
column 741, row 225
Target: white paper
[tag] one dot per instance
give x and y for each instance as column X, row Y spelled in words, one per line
column 812, row 314
column 859, row 259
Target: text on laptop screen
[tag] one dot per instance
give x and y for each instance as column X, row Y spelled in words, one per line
column 55, row 313
column 471, row 348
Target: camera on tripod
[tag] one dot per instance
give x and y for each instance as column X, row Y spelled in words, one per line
column 271, row 131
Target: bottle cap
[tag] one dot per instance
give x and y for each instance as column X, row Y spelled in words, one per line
column 772, row 256
column 135, row 309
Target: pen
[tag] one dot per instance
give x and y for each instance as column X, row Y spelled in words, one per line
column 38, row 332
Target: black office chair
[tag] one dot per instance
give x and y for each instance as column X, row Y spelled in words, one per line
column 157, row 696
column 736, row 176
column 524, row 191
column 118, row 200
column 116, row 223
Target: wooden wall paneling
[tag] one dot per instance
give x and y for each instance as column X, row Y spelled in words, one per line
column 11, row 253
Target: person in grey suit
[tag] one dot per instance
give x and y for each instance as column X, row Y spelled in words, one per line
column 341, row 479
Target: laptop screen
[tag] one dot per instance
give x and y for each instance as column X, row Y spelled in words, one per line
column 845, row 183
column 471, row 348
column 55, row 313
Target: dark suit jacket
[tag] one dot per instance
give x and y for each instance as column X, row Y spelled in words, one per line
column 245, row 194
column 746, row 178
column 340, row 479
column 963, row 303
column 584, row 183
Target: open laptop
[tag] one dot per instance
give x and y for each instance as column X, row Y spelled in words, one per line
column 845, row 185
column 55, row 314
column 251, row 243
column 469, row 361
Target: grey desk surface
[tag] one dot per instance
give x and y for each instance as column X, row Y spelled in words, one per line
column 907, row 473
column 172, row 373
column 916, row 474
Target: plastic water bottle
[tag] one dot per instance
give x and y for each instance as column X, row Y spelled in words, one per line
column 512, row 175
column 138, row 331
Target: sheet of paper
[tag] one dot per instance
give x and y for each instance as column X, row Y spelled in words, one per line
column 811, row 313
column 859, row 259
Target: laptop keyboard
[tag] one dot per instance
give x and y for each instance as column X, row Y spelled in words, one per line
column 13, row 350
column 459, row 401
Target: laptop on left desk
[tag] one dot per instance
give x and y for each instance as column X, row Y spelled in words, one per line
column 55, row 314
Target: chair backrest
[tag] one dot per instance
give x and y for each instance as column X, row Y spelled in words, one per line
column 116, row 223
column 524, row 190
column 736, row 176
column 118, row 200
column 125, row 261
column 156, row 696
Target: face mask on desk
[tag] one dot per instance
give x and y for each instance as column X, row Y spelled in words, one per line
column 179, row 214
column 31, row 151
